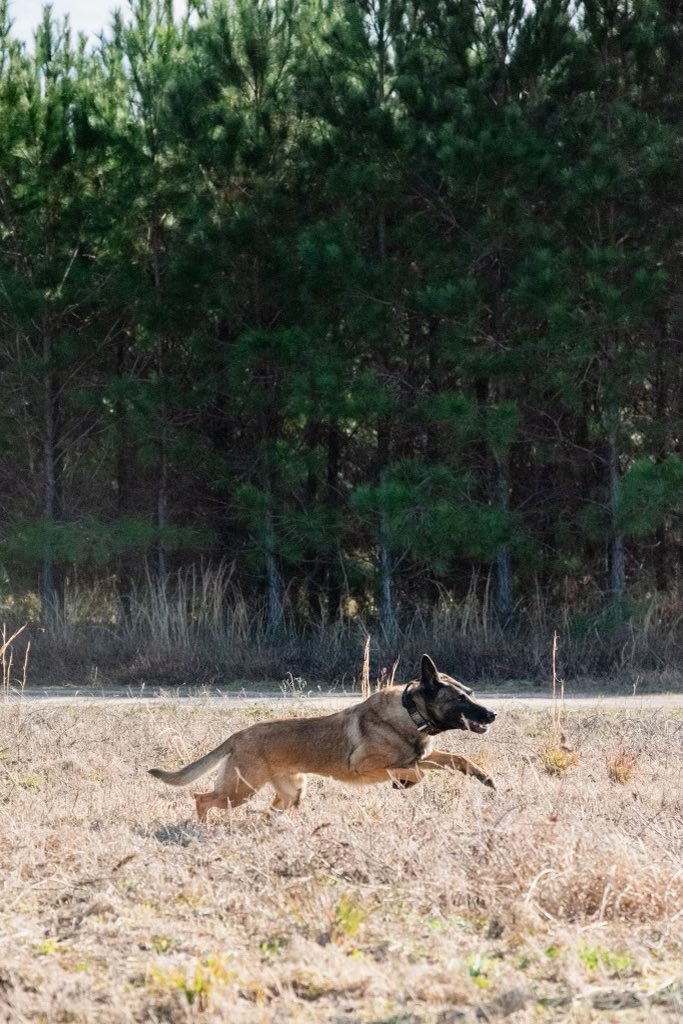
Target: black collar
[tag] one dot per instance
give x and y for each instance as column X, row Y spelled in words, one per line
column 422, row 724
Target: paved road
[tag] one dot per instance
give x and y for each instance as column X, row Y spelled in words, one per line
column 323, row 701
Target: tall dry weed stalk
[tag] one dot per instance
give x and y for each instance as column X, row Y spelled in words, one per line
column 386, row 677
column 365, row 670
column 558, row 690
column 7, row 660
column 558, row 755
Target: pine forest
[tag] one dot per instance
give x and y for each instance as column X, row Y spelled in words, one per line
column 328, row 319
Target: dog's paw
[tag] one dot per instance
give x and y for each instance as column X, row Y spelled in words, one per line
column 398, row 784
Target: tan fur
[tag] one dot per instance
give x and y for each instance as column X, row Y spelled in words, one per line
column 375, row 741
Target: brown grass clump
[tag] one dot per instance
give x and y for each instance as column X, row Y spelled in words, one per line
column 622, row 766
column 558, row 896
column 556, row 759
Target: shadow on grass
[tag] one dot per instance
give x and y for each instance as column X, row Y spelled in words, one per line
column 182, row 834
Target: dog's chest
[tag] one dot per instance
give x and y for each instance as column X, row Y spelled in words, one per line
column 422, row 746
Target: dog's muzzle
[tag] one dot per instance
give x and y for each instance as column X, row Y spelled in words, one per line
column 479, row 726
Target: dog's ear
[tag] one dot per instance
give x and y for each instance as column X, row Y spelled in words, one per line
column 456, row 682
column 429, row 676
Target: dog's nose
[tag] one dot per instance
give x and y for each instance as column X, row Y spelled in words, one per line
column 491, row 715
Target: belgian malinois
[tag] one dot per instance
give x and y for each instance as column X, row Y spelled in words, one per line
column 387, row 737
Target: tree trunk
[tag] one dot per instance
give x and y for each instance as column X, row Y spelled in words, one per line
column 432, row 445
column 162, row 509
column 503, row 559
column 616, row 573
column 124, row 567
column 387, row 614
column 156, row 243
column 315, row 569
column 51, row 576
column 661, row 557
column 274, row 590
column 385, row 587
column 162, row 475
column 332, row 497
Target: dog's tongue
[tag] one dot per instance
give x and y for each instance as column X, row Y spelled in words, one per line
column 475, row 726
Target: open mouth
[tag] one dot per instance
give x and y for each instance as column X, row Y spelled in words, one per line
column 474, row 726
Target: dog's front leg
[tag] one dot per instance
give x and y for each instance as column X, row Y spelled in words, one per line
column 370, row 768
column 437, row 759
column 403, row 778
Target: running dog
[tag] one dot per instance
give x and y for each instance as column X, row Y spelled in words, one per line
column 387, row 737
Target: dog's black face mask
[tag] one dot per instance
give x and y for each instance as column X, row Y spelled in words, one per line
column 447, row 704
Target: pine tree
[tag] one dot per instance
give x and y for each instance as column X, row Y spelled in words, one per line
column 49, row 282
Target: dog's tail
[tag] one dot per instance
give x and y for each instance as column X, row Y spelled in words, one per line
column 192, row 771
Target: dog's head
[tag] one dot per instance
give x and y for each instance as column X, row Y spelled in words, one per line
column 448, row 704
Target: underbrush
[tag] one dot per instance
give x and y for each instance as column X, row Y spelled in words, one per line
column 556, row 898
column 200, row 630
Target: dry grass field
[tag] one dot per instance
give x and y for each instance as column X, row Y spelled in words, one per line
column 558, row 898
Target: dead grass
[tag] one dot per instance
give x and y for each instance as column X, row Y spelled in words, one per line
column 622, row 766
column 556, row 759
column 557, row 898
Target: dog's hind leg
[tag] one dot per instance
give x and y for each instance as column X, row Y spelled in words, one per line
column 231, row 790
column 289, row 790
column 203, row 801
